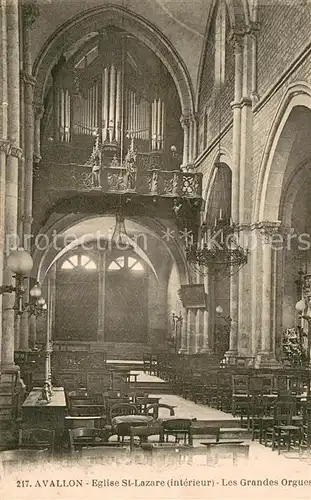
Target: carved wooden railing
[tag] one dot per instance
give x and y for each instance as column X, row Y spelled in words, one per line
column 153, row 182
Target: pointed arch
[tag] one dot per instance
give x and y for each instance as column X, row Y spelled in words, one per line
column 239, row 19
column 99, row 17
column 268, row 194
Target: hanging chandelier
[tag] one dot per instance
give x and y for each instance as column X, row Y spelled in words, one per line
column 217, row 250
column 120, row 238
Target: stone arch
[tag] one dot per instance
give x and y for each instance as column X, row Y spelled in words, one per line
column 43, row 255
column 93, row 19
column 276, row 152
column 239, row 18
column 289, row 193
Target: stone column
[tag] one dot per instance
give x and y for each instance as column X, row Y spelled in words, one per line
column 191, row 331
column 236, row 150
column 266, row 356
column 4, row 143
column 185, row 123
column 11, row 189
column 206, row 346
column 39, row 110
column 52, row 300
column 183, row 337
column 101, row 295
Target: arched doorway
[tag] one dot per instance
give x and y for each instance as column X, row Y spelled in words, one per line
column 282, row 203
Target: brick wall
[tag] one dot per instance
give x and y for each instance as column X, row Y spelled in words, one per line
column 263, row 118
column 284, row 32
column 215, row 101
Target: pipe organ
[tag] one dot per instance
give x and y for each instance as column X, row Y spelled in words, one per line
column 116, row 96
column 85, row 112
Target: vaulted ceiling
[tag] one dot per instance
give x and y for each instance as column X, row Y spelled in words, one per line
column 182, row 23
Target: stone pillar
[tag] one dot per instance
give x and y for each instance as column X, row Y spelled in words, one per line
column 266, row 356
column 52, row 298
column 101, row 295
column 11, row 185
column 191, row 331
column 185, row 123
column 183, row 338
column 39, row 110
column 206, row 346
column 236, row 150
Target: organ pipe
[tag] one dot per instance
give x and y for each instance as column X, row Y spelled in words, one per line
column 112, row 103
column 118, row 107
column 105, row 105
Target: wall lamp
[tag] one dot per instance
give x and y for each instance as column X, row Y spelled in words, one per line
column 20, row 264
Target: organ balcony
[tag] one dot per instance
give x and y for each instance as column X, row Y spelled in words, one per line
column 111, row 126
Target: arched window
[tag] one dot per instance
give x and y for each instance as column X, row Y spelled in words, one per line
column 79, row 261
column 125, row 262
column 220, row 44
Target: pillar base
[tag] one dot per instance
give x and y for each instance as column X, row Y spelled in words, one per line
column 231, row 354
column 205, row 350
column 182, row 350
column 267, row 360
column 9, row 369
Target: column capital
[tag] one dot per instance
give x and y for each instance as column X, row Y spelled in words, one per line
column 268, row 229
column 185, row 121
column 236, row 38
column 5, row 146
column 16, row 152
column 26, row 218
column 28, row 79
column 38, row 110
column 30, row 13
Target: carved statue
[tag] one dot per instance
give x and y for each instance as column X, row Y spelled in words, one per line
column 95, row 162
column 130, row 167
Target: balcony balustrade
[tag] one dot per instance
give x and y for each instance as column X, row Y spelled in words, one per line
column 118, row 180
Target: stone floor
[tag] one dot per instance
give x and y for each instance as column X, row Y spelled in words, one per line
column 259, row 454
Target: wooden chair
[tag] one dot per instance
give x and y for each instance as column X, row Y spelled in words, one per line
column 143, row 432
column 282, row 429
column 180, row 428
column 122, row 409
column 81, row 437
column 153, row 410
column 240, row 392
column 37, row 439
column 305, row 444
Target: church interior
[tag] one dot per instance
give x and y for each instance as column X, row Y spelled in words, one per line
column 155, row 263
